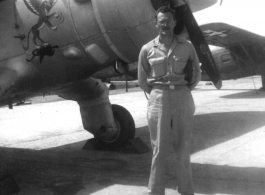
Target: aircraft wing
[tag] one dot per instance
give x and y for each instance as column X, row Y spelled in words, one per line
column 225, row 35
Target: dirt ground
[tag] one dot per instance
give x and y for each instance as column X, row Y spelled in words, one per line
column 41, row 146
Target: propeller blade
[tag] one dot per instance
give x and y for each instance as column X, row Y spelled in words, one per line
column 184, row 13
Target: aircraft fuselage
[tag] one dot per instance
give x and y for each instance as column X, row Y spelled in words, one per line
column 52, row 44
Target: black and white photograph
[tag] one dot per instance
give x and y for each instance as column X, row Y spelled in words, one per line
column 132, row 97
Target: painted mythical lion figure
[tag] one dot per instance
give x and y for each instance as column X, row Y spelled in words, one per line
column 41, row 8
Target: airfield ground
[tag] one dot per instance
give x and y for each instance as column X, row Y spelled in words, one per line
column 41, row 145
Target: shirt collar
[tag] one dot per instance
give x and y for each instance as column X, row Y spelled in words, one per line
column 156, row 42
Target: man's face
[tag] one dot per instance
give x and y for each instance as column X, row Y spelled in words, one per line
column 165, row 23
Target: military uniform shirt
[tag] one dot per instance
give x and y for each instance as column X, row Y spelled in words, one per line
column 156, row 66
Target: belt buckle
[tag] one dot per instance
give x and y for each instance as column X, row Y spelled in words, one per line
column 171, row 86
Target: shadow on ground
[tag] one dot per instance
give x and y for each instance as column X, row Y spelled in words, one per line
column 251, row 94
column 216, row 179
column 215, row 128
column 57, row 170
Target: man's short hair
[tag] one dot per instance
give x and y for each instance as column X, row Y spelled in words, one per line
column 165, row 9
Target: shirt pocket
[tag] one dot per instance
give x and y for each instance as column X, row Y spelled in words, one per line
column 158, row 67
column 178, row 65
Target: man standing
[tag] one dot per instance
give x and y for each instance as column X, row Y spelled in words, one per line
column 161, row 73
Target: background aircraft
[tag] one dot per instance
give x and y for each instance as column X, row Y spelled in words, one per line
column 237, row 27
column 231, row 66
column 66, row 47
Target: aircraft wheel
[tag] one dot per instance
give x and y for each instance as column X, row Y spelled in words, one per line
column 124, row 130
column 112, row 87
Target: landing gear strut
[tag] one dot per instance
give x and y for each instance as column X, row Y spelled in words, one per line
column 111, row 125
column 263, row 83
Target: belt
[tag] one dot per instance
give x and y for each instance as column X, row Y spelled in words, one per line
column 171, row 87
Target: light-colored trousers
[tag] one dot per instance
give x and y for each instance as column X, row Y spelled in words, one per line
column 168, row 107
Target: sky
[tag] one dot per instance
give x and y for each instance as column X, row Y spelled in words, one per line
column 244, row 14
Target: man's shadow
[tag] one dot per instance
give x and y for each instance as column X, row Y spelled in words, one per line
column 215, row 129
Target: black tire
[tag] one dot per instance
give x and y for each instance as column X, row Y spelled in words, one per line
column 112, row 87
column 126, row 128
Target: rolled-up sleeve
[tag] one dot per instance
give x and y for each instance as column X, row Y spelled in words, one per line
column 143, row 69
column 196, row 77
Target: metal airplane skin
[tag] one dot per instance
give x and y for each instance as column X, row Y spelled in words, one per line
column 236, row 27
column 67, row 47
